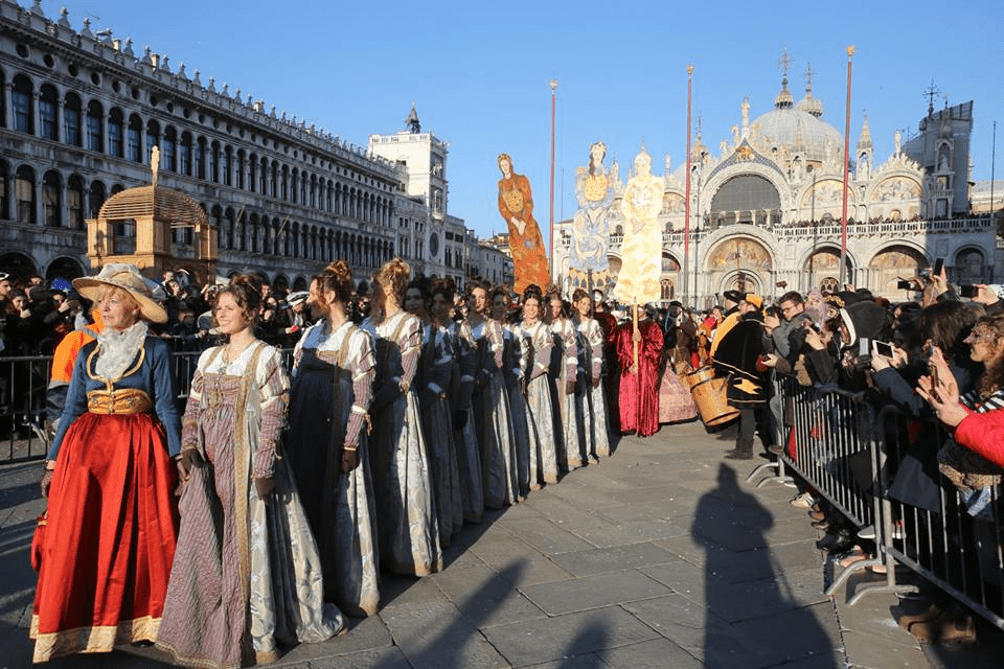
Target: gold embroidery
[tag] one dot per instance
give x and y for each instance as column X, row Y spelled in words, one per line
column 123, row 401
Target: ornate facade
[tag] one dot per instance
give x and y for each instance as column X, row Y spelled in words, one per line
column 766, row 210
column 80, row 113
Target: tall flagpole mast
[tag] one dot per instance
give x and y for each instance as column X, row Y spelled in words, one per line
column 554, row 87
column 847, row 158
column 686, row 222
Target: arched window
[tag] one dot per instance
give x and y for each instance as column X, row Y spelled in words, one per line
column 185, row 154
column 4, row 204
column 96, row 199
column 152, row 139
column 95, row 132
column 294, row 181
column 226, row 161
column 51, row 183
column 200, row 159
column 75, row 203
column 240, row 169
column 48, row 105
column 72, row 122
column 24, row 119
column 252, row 173
column 134, row 139
column 284, row 192
column 24, row 189
column 213, row 162
column 115, row 122
column 168, row 157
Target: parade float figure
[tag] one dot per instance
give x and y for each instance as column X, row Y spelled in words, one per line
column 525, row 241
column 587, row 260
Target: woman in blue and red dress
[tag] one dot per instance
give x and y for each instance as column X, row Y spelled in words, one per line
column 110, row 478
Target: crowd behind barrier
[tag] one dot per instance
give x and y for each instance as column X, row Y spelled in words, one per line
column 837, row 441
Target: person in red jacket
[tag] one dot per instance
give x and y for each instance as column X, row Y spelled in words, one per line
column 976, row 416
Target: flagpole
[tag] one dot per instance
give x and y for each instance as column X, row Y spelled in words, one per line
column 554, row 87
column 847, row 158
column 686, row 222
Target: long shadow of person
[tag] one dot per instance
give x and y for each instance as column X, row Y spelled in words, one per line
column 755, row 617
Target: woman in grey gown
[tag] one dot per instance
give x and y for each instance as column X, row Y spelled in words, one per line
column 328, row 443
column 542, row 462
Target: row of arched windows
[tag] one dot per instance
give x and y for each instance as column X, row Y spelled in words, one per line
column 21, row 192
column 45, row 113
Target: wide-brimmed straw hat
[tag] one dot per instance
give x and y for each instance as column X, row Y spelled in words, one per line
column 127, row 277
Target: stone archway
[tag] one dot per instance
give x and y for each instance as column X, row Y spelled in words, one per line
column 18, row 265
column 894, row 263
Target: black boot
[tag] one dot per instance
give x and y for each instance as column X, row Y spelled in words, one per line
column 742, row 451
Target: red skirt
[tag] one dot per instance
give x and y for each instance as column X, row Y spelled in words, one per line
column 113, row 523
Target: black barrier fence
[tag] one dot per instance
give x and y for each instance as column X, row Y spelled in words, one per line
column 878, row 468
column 23, row 383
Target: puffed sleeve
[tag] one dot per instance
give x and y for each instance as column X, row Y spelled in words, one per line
column 273, row 388
column 362, row 366
column 190, row 419
column 165, row 392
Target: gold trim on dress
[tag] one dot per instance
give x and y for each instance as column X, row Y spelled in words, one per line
column 122, row 401
column 101, row 639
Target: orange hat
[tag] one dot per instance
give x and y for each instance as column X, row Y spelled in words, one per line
column 754, row 299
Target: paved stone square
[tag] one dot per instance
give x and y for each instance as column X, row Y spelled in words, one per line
column 660, row 556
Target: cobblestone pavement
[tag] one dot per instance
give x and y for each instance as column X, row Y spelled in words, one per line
column 660, row 556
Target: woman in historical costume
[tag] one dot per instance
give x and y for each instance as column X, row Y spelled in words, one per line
column 639, row 363
column 543, row 461
column 594, row 409
column 594, row 191
column 514, row 356
column 247, row 573
column 328, row 446
column 525, row 242
column 406, row 514
column 490, row 403
column 465, row 436
column 433, row 384
column 676, row 403
column 110, row 479
column 567, row 386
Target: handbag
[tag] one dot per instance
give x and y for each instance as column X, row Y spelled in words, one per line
column 38, row 540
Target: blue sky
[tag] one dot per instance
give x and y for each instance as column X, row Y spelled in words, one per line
column 479, row 72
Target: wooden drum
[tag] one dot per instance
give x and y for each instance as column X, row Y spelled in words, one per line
column 710, row 398
column 697, row 376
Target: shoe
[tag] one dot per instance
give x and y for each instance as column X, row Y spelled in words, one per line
column 736, row 454
column 803, row 501
column 855, row 554
column 820, row 524
column 774, row 449
column 946, row 629
column 817, row 515
column 867, row 532
column 835, row 541
column 925, row 616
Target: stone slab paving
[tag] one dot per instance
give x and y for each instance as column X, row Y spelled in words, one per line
column 660, row 556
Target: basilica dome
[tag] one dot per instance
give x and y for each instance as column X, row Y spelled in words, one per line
column 796, row 129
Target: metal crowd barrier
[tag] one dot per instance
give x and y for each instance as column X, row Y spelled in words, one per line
column 950, row 537
column 23, row 383
column 852, row 452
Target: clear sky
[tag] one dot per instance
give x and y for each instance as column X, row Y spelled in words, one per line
column 479, row 72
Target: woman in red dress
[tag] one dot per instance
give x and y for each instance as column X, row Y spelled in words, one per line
column 110, row 479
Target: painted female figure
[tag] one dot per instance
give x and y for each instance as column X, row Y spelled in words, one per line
column 594, row 192
column 525, row 242
column 247, row 573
